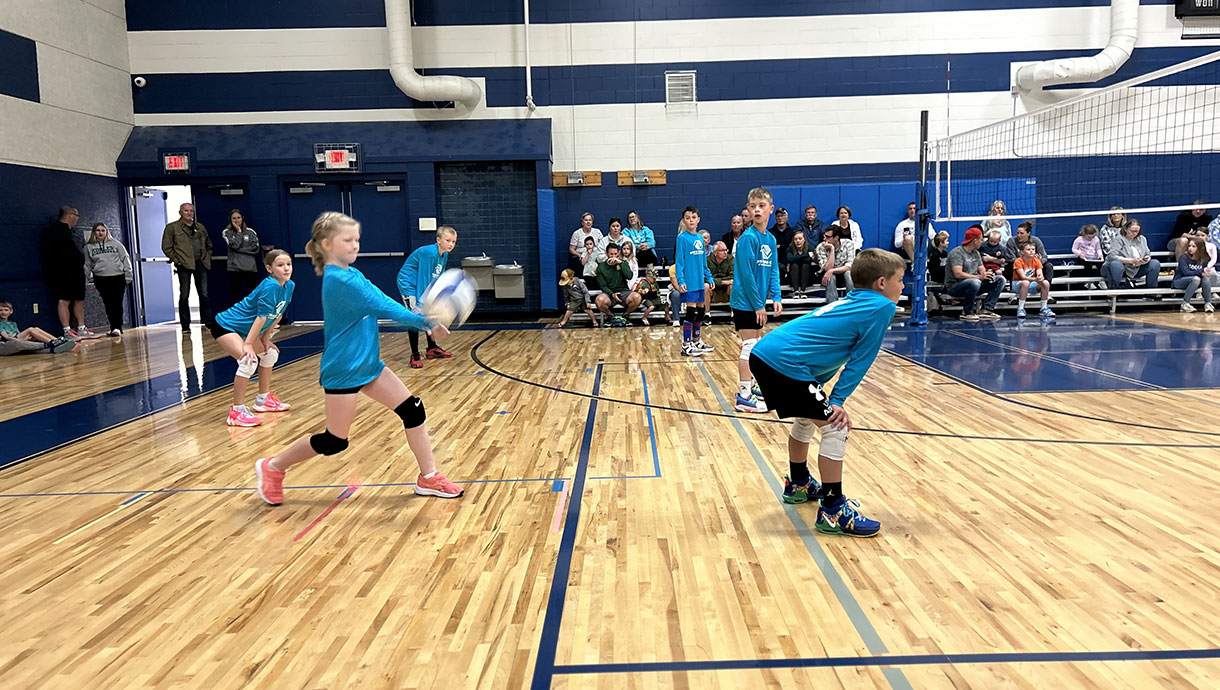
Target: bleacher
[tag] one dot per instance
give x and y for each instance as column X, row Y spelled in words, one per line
column 1068, row 291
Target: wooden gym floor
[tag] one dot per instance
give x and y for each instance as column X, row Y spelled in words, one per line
column 1047, row 492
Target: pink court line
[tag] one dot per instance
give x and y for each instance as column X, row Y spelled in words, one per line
column 347, row 493
column 563, row 497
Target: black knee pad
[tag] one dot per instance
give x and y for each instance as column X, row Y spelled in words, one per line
column 327, row 443
column 700, row 313
column 412, row 412
column 692, row 312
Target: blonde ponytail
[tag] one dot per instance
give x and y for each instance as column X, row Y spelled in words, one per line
column 326, row 226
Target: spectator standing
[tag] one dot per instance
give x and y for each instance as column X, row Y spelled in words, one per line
column 966, row 277
column 586, row 229
column 242, row 265
column 64, row 266
column 107, row 261
column 188, row 246
column 1129, row 259
column 642, row 236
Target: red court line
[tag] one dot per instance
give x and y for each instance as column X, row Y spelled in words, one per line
column 347, row 493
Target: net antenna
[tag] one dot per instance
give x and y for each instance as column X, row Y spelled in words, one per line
column 1150, row 144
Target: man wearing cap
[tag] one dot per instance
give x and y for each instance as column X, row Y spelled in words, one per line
column 783, row 237
column 966, row 277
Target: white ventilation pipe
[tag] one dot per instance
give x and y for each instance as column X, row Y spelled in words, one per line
column 1124, row 20
column 402, row 64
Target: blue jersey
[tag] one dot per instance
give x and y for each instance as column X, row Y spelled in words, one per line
column 846, row 333
column 351, row 306
column 690, row 262
column 420, row 269
column 755, row 271
column 267, row 300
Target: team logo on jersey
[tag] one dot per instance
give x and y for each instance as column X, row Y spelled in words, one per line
column 279, row 308
column 436, row 272
column 698, row 245
column 765, row 252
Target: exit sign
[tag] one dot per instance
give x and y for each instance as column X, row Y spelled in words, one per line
column 336, row 157
column 176, row 163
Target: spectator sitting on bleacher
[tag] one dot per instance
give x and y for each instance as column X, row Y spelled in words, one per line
column 1087, row 250
column 613, row 276
column 1192, row 274
column 966, row 277
column 851, row 229
column 613, row 236
column 736, row 226
column 590, row 257
column 586, row 229
column 904, row 233
column 1129, row 259
column 720, row 263
column 626, row 252
column 801, row 268
column 782, row 232
column 994, row 252
column 1027, row 273
column 1025, row 233
column 1186, row 223
column 810, row 224
column 1113, row 228
column 835, row 255
column 1213, row 233
column 650, row 294
column 996, row 221
column 938, row 257
column 643, row 238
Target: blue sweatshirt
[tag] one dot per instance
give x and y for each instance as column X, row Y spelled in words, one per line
column 267, row 300
column 690, row 262
column 644, row 234
column 846, row 334
column 1189, row 268
column 351, row 306
column 755, row 271
column 419, row 270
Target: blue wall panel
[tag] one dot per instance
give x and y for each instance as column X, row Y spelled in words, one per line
column 547, row 237
column 18, row 67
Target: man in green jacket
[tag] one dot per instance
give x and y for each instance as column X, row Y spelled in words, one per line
column 186, row 243
column 614, row 276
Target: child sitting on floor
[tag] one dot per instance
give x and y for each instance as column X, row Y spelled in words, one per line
column 32, row 339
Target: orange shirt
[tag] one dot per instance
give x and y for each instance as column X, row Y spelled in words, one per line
column 1026, row 268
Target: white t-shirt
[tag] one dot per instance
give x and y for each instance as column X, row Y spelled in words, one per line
column 578, row 238
column 908, row 226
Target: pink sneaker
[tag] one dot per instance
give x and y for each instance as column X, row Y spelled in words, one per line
column 270, row 482
column 437, row 486
column 239, row 415
column 271, row 404
column 85, row 332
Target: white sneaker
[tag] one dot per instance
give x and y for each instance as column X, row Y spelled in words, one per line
column 1188, row 308
column 1208, row 308
column 690, row 350
column 677, row 323
column 704, row 346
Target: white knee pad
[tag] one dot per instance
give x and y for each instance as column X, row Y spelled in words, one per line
column 802, row 429
column 746, row 346
column 269, row 358
column 247, row 367
column 834, row 443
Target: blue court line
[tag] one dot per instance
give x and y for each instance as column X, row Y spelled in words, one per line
column 893, row 660
column 548, row 644
column 847, row 600
column 135, row 498
column 652, row 437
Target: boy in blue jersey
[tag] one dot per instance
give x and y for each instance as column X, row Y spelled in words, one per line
column 419, row 270
column 693, row 278
column 755, row 281
column 351, row 363
column 244, row 331
column 800, row 357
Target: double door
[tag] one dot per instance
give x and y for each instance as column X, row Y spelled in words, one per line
column 380, row 206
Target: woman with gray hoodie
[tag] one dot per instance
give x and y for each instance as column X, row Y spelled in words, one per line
column 107, row 261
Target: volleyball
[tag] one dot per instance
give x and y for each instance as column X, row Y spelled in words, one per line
column 450, row 298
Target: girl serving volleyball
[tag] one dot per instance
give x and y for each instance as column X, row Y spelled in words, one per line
column 351, row 363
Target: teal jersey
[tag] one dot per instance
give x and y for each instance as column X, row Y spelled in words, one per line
column 690, row 262
column 9, row 328
column 419, row 270
column 755, row 271
column 351, row 306
column 846, row 333
column 268, row 300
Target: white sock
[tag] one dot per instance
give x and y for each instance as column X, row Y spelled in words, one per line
column 1021, row 303
column 430, row 474
column 745, row 388
column 1044, row 303
column 260, row 398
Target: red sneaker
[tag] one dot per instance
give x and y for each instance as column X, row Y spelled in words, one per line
column 270, row 482
column 437, row 353
column 239, row 415
column 437, row 486
column 416, row 362
column 271, row 404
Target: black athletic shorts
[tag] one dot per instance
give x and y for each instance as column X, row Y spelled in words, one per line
column 343, row 391
column 745, row 320
column 216, row 329
column 789, row 397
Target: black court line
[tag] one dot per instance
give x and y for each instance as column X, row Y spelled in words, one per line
column 474, row 355
column 893, row 660
column 548, row 645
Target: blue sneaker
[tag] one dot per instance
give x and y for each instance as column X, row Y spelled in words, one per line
column 802, row 493
column 1021, row 313
column 842, row 517
column 1046, row 311
column 750, row 404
